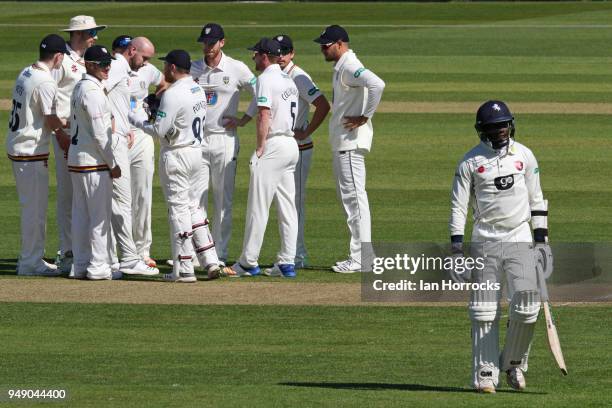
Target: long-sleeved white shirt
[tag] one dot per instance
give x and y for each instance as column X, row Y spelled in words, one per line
column 34, row 96
column 90, row 128
column 67, row 75
column 276, row 91
column 118, row 87
column 308, row 93
column 504, row 192
column 181, row 115
column 357, row 92
column 223, row 85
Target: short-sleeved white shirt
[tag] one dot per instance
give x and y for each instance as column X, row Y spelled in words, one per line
column 277, row 91
column 308, row 93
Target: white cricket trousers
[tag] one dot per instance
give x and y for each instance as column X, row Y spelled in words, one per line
column 272, row 178
column 142, row 167
column 179, row 168
column 302, row 169
column 219, row 158
column 91, row 224
column 350, row 173
column 63, row 197
column 32, row 180
column 122, row 203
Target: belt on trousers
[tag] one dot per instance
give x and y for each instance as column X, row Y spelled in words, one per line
column 33, row 158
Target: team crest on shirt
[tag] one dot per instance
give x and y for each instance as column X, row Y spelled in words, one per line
column 74, row 68
column 519, row 165
column 226, row 80
column 211, row 98
column 143, row 84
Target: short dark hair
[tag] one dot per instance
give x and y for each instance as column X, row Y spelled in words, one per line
column 45, row 55
column 182, row 70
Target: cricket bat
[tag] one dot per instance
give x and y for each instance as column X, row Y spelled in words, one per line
column 551, row 328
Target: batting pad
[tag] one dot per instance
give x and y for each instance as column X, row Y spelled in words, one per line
column 202, row 240
column 485, row 351
column 523, row 314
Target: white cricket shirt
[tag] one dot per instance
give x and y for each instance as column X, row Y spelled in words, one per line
column 357, row 92
column 141, row 80
column 308, row 93
column 118, row 88
column 223, row 85
column 277, row 91
column 34, row 96
column 67, row 75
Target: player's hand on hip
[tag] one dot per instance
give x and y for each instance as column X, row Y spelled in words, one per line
column 300, row 134
column 353, row 122
column 130, row 139
column 544, row 257
column 63, row 139
column 115, row 172
column 230, row 122
column 259, row 152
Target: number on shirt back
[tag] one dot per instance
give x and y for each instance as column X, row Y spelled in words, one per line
column 196, row 126
column 293, row 106
column 14, row 119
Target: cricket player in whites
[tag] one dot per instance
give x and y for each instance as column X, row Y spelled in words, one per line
column 223, row 79
column 178, row 126
column 272, row 166
column 303, row 130
column 93, row 167
column 142, row 153
column 31, row 121
column 132, row 57
column 83, row 32
column 502, row 179
column 357, row 93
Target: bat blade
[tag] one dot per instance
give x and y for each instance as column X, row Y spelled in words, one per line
column 553, row 339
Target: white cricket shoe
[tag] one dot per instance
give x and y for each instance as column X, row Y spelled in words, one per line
column 213, row 271
column 486, row 386
column 348, row 266
column 137, row 267
column 180, row 277
column 237, row 271
column 516, row 379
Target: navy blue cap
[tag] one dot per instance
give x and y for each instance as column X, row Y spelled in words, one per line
column 332, row 34
column 267, row 46
column 122, row 41
column 97, row 53
column 211, row 33
column 53, row 43
column 180, row 58
column 285, row 42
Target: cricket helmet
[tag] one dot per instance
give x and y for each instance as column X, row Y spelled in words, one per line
column 491, row 118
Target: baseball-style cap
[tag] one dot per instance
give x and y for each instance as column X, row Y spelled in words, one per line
column 53, row 43
column 82, row 23
column 122, row 41
column 180, row 58
column 332, row 34
column 267, row 46
column 97, row 53
column 285, row 42
column 211, row 33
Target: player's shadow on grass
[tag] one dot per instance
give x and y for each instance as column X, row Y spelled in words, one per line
column 8, row 266
column 387, row 386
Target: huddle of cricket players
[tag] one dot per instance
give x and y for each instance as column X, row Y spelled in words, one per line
column 93, row 104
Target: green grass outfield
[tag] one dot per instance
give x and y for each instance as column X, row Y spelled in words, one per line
column 557, row 53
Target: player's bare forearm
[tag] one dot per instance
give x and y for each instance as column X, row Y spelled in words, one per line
column 263, row 125
column 321, row 110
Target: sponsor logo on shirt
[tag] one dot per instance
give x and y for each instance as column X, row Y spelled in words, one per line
column 195, row 89
column 262, row 99
column 359, row 72
column 313, row 90
column 536, row 170
column 504, row 182
column 74, row 68
column 253, row 81
column 161, row 114
column 211, row 98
